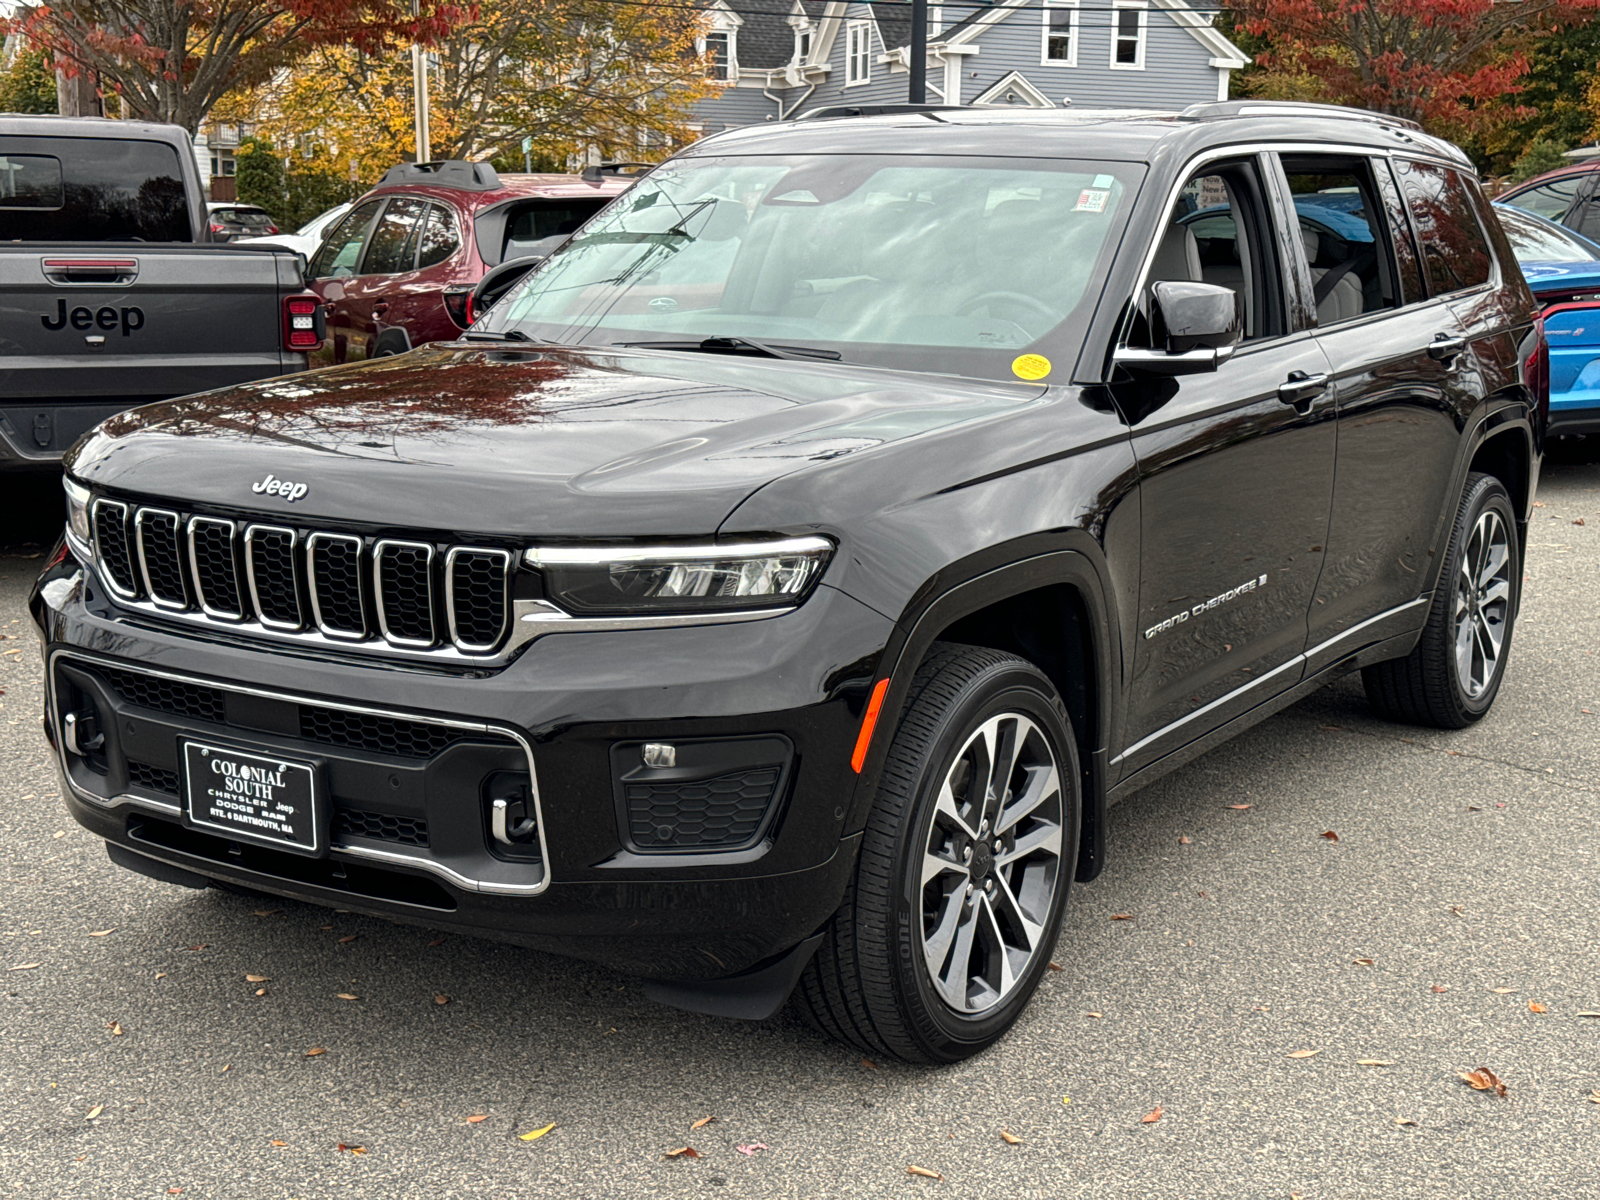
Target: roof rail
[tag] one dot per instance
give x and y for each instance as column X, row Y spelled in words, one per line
column 595, row 172
column 879, row 110
column 1297, row 108
column 454, row 172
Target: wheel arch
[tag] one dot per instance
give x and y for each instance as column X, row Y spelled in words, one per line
column 1504, row 449
column 391, row 341
column 1051, row 608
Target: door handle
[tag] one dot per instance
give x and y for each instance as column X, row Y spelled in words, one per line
column 1301, row 389
column 1445, row 347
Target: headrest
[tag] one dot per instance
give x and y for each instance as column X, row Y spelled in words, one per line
column 1177, row 257
column 1311, row 240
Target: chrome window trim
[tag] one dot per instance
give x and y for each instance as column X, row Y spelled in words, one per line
column 419, row 861
column 377, row 587
column 450, row 596
column 194, row 570
column 344, row 635
column 144, row 566
column 593, row 555
column 250, row 572
column 115, row 588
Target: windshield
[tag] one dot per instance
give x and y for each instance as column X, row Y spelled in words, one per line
column 1534, row 241
column 952, row 265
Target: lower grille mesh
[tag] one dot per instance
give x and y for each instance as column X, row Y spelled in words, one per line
column 166, row 695
column 707, row 814
column 354, row 822
column 152, row 779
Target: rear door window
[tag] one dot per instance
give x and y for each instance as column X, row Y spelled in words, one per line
column 1341, row 222
column 90, row 190
column 342, row 250
column 1455, row 253
column 439, row 239
column 393, row 248
column 1550, row 200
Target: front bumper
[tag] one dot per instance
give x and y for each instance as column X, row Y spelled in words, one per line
column 557, row 713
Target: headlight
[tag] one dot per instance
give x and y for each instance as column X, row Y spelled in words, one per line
column 626, row 581
column 77, row 510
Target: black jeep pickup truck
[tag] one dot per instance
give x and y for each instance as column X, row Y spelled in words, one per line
column 110, row 296
column 771, row 592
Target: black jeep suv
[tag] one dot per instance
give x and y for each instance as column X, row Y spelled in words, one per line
column 771, row 592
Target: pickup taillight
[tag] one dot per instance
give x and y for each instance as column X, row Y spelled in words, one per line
column 304, row 324
column 459, row 306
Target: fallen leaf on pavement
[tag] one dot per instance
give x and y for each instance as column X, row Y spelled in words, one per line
column 261, row 991
column 1010, row 1138
column 437, row 942
column 1122, row 916
column 1594, row 1097
column 1374, row 1062
column 198, row 946
column 24, row 967
column 1404, row 1121
column 314, row 1051
column 1503, row 991
column 353, row 1149
column 441, row 999
column 1579, row 521
column 536, row 1134
column 1537, row 1008
column 1483, row 1080
column 347, row 940
column 924, row 1172
column 1329, row 834
column 752, row 1147
column 682, row 1152
column 1589, row 1014
column 279, row 1142
column 1184, row 841
column 1092, row 1014
column 1303, row 1053
column 102, row 932
column 95, row 1112
column 701, row 1123
column 257, row 978
column 1150, row 1118
column 869, row 1064
column 1362, row 962
column 115, row 1027
column 174, row 1191
column 476, row 1117
column 347, row 996
column 1239, row 807
column 1055, row 966
column 1438, row 987
column 266, row 912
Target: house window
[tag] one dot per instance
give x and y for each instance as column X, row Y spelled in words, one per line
column 858, row 52
column 223, row 163
column 1127, row 35
column 719, row 47
column 802, row 44
column 1060, row 33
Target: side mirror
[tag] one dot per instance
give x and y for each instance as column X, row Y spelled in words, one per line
column 497, row 281
column 1197, row 324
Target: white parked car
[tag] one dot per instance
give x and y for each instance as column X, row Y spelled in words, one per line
column 307, row 238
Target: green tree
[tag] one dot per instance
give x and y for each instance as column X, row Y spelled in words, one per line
column 259, row 178
column 28, row 85
column 1541, row 155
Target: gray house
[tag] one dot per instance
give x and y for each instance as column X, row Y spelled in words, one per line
column 778, row 58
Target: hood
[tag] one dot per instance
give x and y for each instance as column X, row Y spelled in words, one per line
column 512, row 442
column 1561, row 277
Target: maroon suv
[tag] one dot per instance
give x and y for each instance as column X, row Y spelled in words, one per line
column 399, row 270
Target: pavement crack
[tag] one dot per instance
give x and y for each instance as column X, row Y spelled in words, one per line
column 1537, row 772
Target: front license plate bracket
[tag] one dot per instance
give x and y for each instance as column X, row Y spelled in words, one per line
column 251, row 796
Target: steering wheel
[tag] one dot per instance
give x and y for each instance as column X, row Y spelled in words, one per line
column 1022, row 298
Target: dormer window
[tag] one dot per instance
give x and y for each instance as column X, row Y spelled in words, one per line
column 720, row 51
column 802, row 44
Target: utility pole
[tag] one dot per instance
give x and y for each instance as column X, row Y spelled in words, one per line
column 419, row 91
column 919, row 51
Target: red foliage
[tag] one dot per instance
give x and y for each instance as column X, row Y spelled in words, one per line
column 1450, row 63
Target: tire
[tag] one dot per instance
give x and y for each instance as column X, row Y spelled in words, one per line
column 869, row 983
column 1450, row 680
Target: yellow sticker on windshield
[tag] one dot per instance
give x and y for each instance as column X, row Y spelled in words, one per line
column 1030, row 366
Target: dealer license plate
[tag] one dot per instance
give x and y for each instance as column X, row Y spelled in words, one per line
column 253, row 797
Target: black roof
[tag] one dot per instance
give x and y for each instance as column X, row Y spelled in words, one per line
column 766, row 39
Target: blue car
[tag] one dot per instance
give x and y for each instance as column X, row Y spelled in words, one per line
column 1563, row 269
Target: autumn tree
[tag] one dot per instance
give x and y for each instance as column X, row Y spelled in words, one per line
column 570, row 75
column 28, row 83
column 172, row 60
column 1454, row 65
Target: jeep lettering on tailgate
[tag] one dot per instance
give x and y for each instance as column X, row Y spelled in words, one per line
column 130, row 317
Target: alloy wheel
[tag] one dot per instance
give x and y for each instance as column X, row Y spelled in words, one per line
column 992, row 863
column 1482, row 604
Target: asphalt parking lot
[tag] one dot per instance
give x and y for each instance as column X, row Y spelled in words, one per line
column 1455, row 923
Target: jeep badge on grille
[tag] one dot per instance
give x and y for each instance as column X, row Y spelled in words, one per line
column 273, row 486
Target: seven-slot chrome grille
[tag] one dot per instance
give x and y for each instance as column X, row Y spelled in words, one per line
column 411, row 595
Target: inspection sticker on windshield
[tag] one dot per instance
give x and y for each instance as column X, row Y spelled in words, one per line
column 1092, row 200
column 1030, row 366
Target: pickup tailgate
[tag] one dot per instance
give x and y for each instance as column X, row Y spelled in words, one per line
column 90, row 329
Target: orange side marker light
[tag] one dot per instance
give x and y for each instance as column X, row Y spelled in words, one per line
column 864, row 738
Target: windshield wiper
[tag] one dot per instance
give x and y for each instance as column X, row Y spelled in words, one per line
column 739, row 345
column 484, row 335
